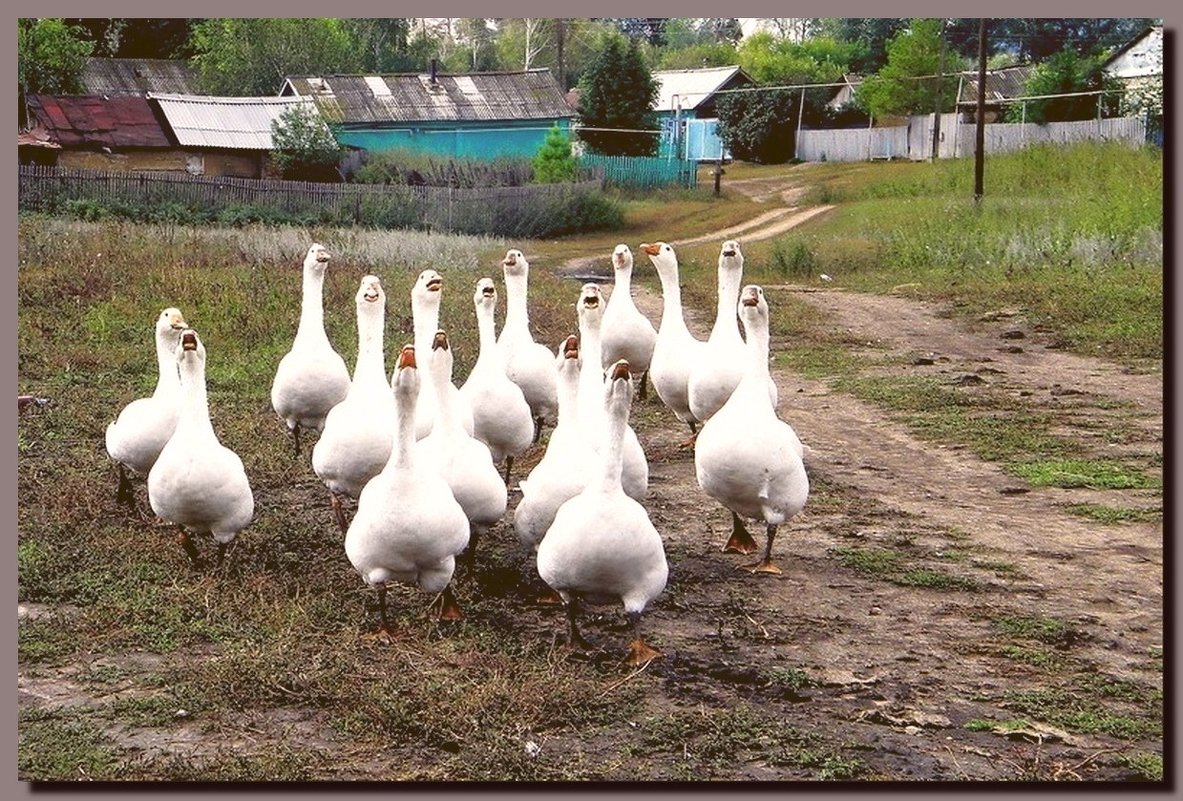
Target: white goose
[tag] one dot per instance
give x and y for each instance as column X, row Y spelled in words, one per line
column 142, row 428
column 312, row 377
column 592, row 414
column 676, row 350
column 198, row 483
column 463, row 461
column 425, row 314
column 528, row 364
column 745, row 457
column 720, row 368
column 565, row 466
column 627, row 334
column 500, row 414
column 602, row 543
column 408, row 527
column 358, row 432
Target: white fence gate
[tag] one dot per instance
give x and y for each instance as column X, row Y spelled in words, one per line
column 956, row 140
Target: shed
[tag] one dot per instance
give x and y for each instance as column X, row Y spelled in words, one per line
column 231, row 135
column 138, row 76
column 103, row 133
column 686, row 109
column 1002, row 85
column 476, row 115
column 1139, row 58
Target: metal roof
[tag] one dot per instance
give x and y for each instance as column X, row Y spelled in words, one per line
column 413, row 97
column 138, row 76
column 95, row 121
column 692, row 87
column 237, row 123
column 1001, row 84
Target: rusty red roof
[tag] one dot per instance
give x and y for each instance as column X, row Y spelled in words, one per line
column 96, row 121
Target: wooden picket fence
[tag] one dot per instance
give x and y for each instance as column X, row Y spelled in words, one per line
column 642, row 171
column 445, row 209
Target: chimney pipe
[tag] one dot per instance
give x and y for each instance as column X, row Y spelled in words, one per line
column 433, row 64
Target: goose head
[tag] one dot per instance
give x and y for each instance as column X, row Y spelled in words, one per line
column 169, row 326
column 370, row 291
column 620, row 386
column 662, row 255
column 730, row 256
column 514, row 264
column 406, row 374
column 427, row 289
column 590, row 307
column 190, row 350
column 622, row 258
column 317, row 258
column 485, row 296
column 753, row 308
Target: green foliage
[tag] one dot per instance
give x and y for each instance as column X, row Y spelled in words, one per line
column 50, row 56
column 1094, row 474
column 617, row 91
column 769, row 60
column 902, row 86
column 696, row 56
column 554, row 161
column 382, row 44
column 302, row 143
column 1066, row 72
column 251, row 57
column 413, row 168
column 760, row 126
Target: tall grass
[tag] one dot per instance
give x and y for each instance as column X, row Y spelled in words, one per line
column 1073, row 236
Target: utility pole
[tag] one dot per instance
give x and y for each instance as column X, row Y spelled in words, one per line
column 980, row 138
column 560, row 34
column 936, row 116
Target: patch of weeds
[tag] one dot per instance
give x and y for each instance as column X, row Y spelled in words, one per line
column 1046, row 630
column 816, row 361
column 52, row 749
column 1001, row 569
column 1114, row 515
column 278, row 764
column 45, row 641
column 154, row 710
column 793, row 679
column 1036, row 657
column 1075, row 712
column 1083, row 473
column 889, row 565
column 979, row 724
column 1145, row 766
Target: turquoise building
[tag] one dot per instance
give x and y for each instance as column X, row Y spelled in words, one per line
column 482, row 115
column 686, row 108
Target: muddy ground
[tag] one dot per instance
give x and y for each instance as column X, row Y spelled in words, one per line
column 888, row 673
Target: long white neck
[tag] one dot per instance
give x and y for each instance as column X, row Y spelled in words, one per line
column 425, row 314
column 194, row 417
column 725, row 322
column 517, row 319
column 370, row 367
column 623, row 288
column 671, row 303
column 446, row 417
column 612, row 464
column 568, row 392
column 756, row 331
column 312, row 319
column 488, row 357
column 402, row 455
column 166, row 361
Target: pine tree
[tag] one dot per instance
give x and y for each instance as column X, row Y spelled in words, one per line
column 618, row 92
column 554, row 161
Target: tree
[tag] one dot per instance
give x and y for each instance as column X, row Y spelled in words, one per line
column 50, row 56
column 618, row 92
column 523, row 44
column 773, row 61
column 908, row 83
column 554, row 161
column 302, row 145
column 384, row 45
column 1065, row 72
column 477, row 52
column 759, row 126
column 1037, row 38
column 253, row 56
column 868, row 35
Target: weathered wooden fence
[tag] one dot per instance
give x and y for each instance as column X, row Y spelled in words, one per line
column 458, row 210
column 914, row 140
column 642, row 171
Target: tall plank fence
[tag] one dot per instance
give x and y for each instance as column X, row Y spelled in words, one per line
column 642, row 171
column 447, row 209
column 914, row 140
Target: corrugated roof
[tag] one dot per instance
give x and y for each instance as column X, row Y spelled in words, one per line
column 412, row 97
column 138, row 76
column 692, row 87
column 95, row 121
column 1002, row 84
column 237, row 123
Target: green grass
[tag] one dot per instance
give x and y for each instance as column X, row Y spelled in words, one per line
column 50, row 747
column 1087, row 473
column 890, row 565
column 1114, row 515
column 1146, row 767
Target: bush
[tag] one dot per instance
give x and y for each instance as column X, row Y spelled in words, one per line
column 409, row 168
column 555, row 162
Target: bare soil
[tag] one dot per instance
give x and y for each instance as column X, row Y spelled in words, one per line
column 889, row 672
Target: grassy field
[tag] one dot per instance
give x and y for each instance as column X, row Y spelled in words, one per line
column 1074, row 238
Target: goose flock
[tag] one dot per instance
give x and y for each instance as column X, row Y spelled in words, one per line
column 419, row 453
